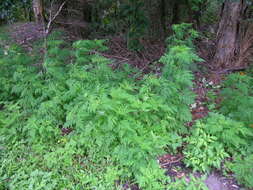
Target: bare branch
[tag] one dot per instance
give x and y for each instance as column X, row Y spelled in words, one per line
column 54, row 17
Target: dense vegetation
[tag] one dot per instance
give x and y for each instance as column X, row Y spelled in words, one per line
column 70, row 120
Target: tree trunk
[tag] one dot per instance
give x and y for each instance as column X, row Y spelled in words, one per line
column 38, row 10
column 154, row 14
column 246, row 46
column 159, row 14
column 229, row 34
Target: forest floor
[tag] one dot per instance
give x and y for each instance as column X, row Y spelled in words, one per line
column 25, row 34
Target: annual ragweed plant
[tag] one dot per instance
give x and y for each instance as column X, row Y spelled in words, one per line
column 237, row 99
column 215, row 138
column 118, row 125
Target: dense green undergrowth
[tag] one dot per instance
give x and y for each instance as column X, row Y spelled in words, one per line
column 119, row 125
column 72, row 122
column 237, row 104
column 231, row 130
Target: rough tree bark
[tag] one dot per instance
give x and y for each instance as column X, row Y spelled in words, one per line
column 246, row 38
column 231, row 35
column 154, row 14
column 38, row 9
column 160, row 14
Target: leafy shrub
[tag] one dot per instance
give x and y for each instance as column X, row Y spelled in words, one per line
column 215, row 138
column 234, row 135
column 184, row 35
column 237, row 96
column 11, row 58
column 209, row 16
column 234, row 128
column 243, row 169
column 11, row 11
column 203, row 150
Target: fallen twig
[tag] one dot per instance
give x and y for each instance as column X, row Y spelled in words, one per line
column 172, row 162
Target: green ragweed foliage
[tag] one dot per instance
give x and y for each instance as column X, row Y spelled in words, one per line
column 237, row 97
column 176, row 71
column 203, row 150
column 215, row 138
column 234, row 128
column 12, row 58
column 243, row 169
column 181, row 50
column 183, row 35
column 117, row 125
column 86, row 50
column 235, row 135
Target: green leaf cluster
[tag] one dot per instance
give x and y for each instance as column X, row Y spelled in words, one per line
column 227, row 132
column 214, row 139
column 237, row 98
column 203, row 151
column 242, row 167
column 183, row 35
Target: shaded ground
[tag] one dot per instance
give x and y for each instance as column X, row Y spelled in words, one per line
column 216, row 182
column 25, row 34
column 143, row 59
column 176, row 169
